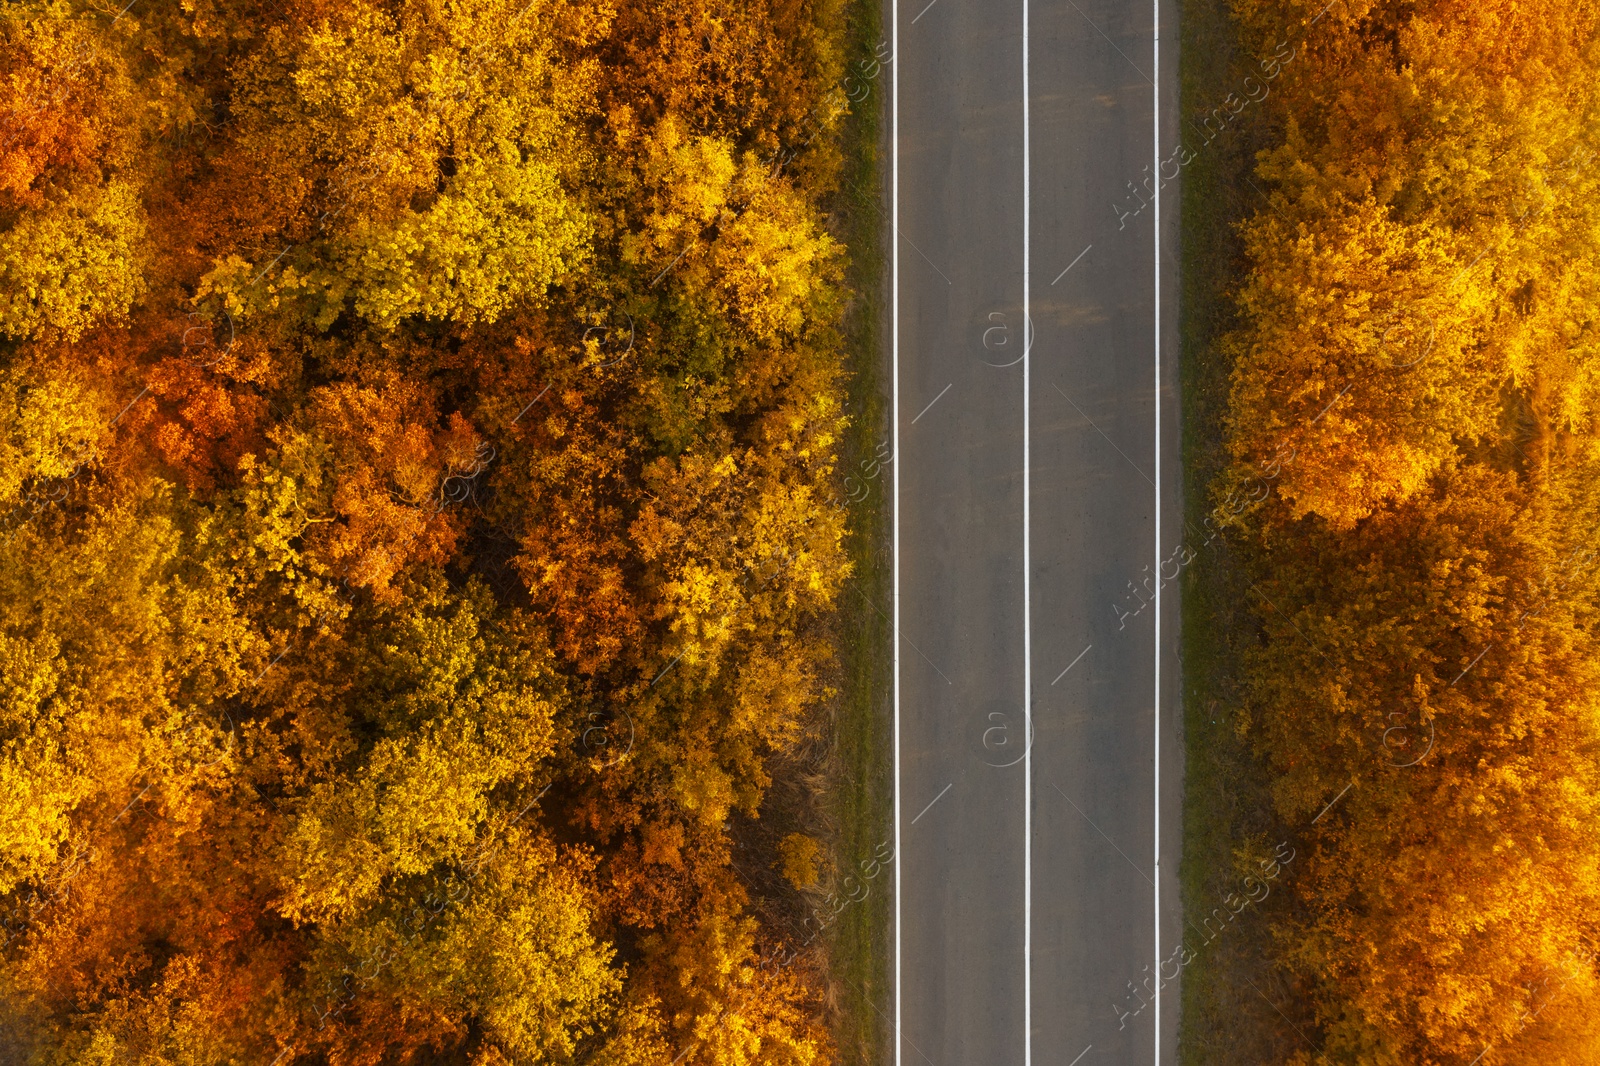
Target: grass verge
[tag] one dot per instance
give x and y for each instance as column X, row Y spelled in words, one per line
column 859, row 773
column 1231, row 993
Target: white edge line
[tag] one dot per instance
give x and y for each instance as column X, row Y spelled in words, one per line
column 1155, row 150
column 1027, row 570
column 894, row 551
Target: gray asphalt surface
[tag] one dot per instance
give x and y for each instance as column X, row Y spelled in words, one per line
column 967, row 991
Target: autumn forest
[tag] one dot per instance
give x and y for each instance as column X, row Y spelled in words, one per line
column 420, row 523
column 426, row 547
column 1411, row 481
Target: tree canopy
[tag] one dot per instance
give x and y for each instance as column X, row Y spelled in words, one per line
column 1416, row 333
column 417, row 437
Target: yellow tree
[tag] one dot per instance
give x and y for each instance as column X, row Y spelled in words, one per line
column 1436, row 659
column 71, row 222
column 415, row 163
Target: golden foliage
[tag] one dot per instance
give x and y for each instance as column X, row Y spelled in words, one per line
column 418, row 447
column 1414, row 372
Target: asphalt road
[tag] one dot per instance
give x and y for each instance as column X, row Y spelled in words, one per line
column 1026, row 534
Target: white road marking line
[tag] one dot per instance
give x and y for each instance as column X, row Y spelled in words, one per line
column 924, row 11
column 931, row 802
column 1064, row 274
column 875, row 1007
column 1155, row 158
column 901, row 636
column 1081, row 1054
column 1027, row 565
column 1073, row 663
column 894, row 548
column 933, row 401
column 914, row 248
